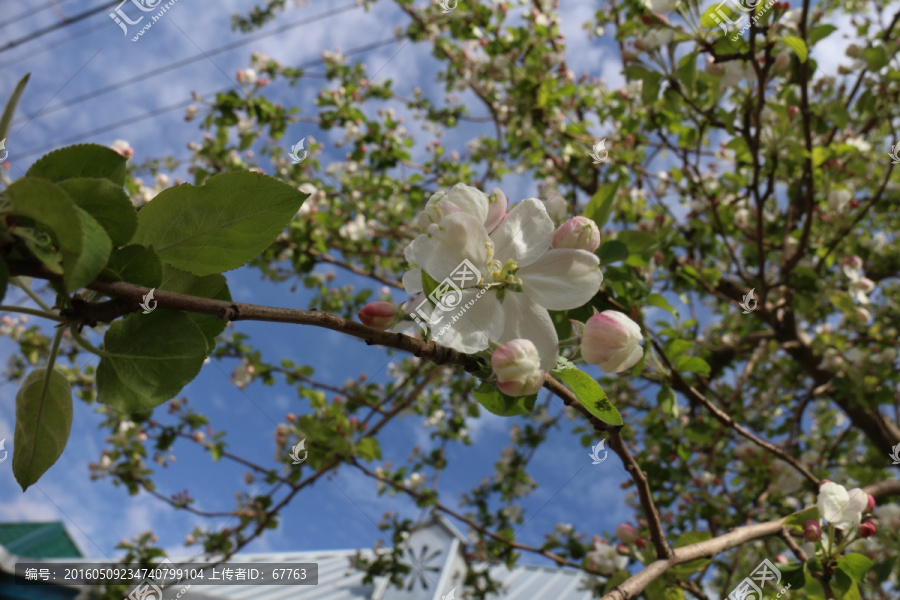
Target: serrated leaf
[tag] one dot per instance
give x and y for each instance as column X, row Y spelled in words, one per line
column 134, row 264
column 501, row 405
column 855, row 565
column 81, row 160
column 798, row 46
column 82, row 268
column 214, row 287
column 107, row 203
column 601, row 204
column 10, row 110
column 43, row 424
column 218, row 226
column 590, row 395
column 151, row 358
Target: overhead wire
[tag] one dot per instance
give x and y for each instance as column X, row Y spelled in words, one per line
column 25, row 15
column 187, row 61
column 51, row 28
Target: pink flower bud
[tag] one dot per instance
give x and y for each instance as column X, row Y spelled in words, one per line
column 518, row 368
column 812, row 531
column 611, row 341
column 379, row 315
column 781, row 559
column 866, row 529
column 870, row 504
column 640, row 543
column 579, row 233
column 626, row 533
column 622, row 550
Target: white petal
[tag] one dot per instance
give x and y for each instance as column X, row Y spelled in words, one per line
column 625, row 361
column 562, row 279
column 412, row 281
column 527, row 320
column 458, row 236
column 473, row 325
column 469, row 199
column 525, row 234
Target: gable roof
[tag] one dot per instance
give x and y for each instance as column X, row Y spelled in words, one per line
column 38, row 540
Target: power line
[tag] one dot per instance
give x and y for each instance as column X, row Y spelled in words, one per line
column 55, row 26
column 80, row 34
column 187, row 61
column 159, row 111
column 22, row 16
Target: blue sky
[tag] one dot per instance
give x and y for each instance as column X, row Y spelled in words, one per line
column 80, row 59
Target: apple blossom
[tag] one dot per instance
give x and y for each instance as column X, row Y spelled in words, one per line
column 123, row 148
column 579, row 233
column 626, row 533
column 611, row 341
column 840, row 507
column 518, row 279
column 605, row 559
column 870, row 503
column 661, row 6
column 839, row 199
column 380, row 315
column 517, row 367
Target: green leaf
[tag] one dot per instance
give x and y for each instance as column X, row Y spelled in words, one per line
column 11, row 104
column 43, row 424
column 601, row 204
column 820, row 32
column 855, row 565
column 707, row 20
column 638, row 242
column 693, row 364
column 82, row 268
column 49, row 205
column 876, row 57
column 496, row 402
column 218, row 226
column 798, row 46
column 793, row 574
column 429, row 284
column 107, row 203
column 368, row 448
column 797, row 519
column 590, row 395
column 668, row 403
column 134, row 264
column 687, row 539
column 150, row 359
column 612, row 251
column 214, row 287
column 81, row 160
column 660, row 302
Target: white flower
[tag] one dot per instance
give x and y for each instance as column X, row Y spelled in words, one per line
column 242, row 375
column 557, row 208
column 354, row 230
column 838, row 199
column 415, row 480
column 860, row 144
column 889, row 516
column 657, row 38
column 840, row 507
column 605, row 559
column 123, row 148
column 519, row 277
column 611, row 341
column 247, row 76
column 490, row 210
column 661, row 6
